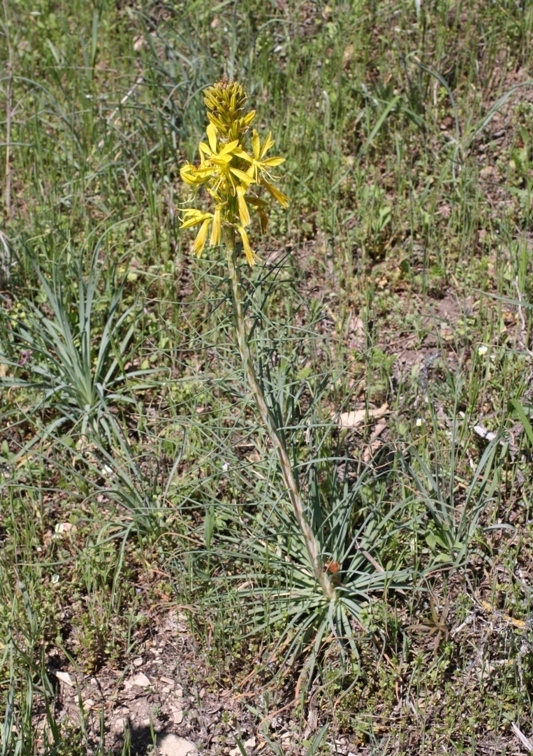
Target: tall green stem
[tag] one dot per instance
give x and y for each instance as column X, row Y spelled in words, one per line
column 269, row 422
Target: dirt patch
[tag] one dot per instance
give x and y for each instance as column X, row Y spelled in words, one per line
column 159, row 693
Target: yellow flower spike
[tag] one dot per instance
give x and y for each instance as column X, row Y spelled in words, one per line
column 248, row 251
column 233, row 163
column 228, row 171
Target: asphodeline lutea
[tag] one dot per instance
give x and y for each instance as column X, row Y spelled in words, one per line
column 234, row 166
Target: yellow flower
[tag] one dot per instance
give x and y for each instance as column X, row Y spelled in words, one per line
column 194, row 176
column 218, row 161
column 259, row 165
column 191, row 217
column 194, row 217
column 221, row 156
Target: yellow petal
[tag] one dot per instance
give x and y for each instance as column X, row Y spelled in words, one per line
column 188, row 174
column 204, row 149
column 273, row 161
column 244, row 215
column 195, row 176
column 244, row 177
column 212, row 137
column 256, row 145
column 267, row 144
column 220, row 159
column 199, row 242
column 216, row 231
column 248, row 251
column 193, row 217
column 278, row 196
column 230, row 147
column 240, row 153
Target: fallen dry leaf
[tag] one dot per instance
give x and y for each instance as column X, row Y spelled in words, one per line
column 65, row 678
column 358, row 417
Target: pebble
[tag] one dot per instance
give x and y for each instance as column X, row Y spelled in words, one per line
column 119, row 725
column 171, row 745
column 177, row 715
column 140, row 680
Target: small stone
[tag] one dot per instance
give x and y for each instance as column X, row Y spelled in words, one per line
column 177, row 716
column 119, row 725
column 138, row 662
column 250, row 743
column 65, row 678
column 139, row 680
column 171, row 745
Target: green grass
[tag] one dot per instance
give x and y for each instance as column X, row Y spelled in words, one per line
column 400, row 274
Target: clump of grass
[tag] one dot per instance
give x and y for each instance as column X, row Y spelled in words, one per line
column 72, row 352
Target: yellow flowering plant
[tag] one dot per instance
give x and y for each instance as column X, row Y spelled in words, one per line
column 325, row 554
column 233, row 167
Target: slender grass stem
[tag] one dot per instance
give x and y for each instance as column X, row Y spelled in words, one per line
column 270, row 424
column 9, row 112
